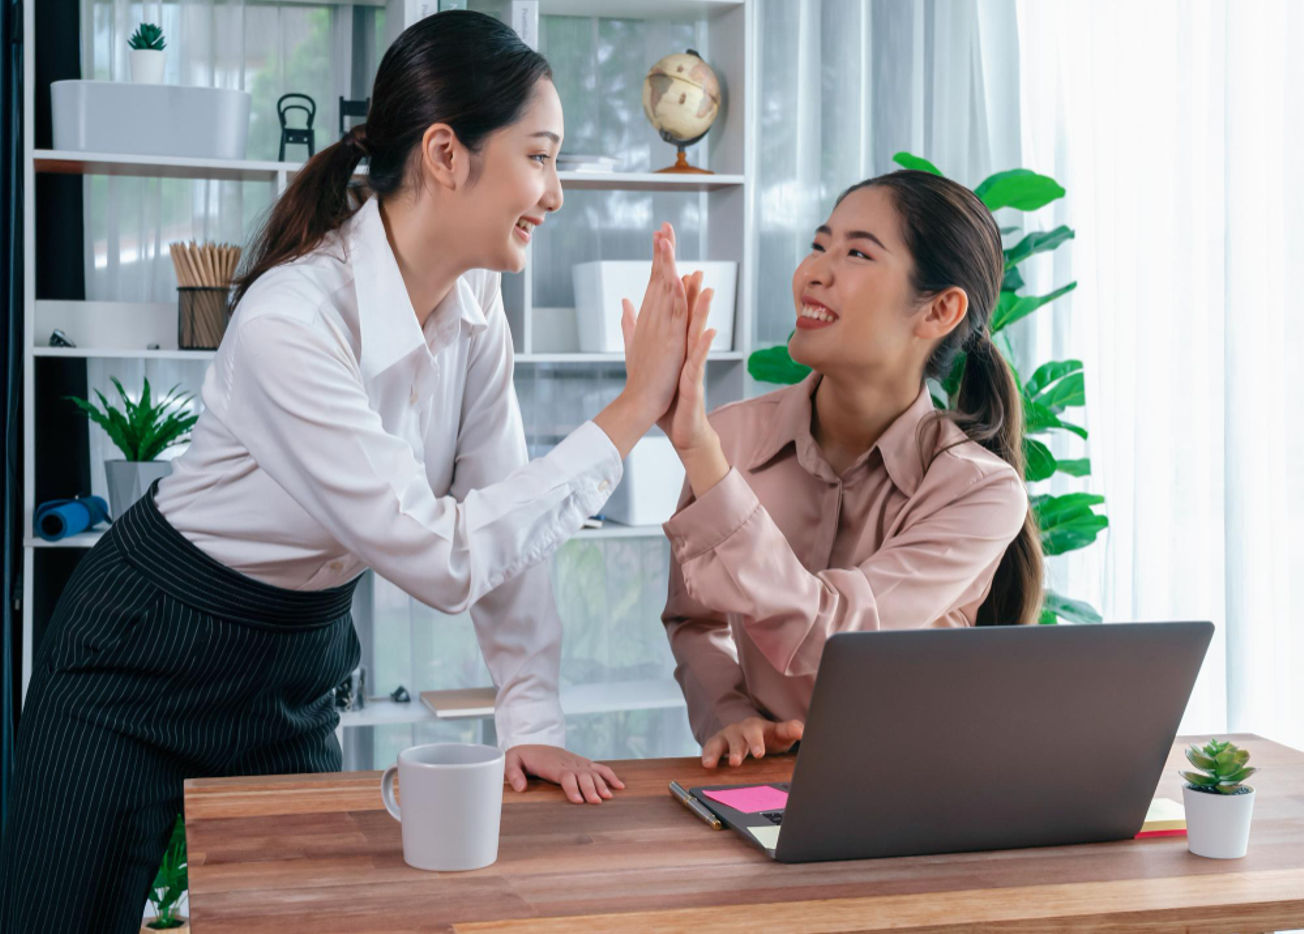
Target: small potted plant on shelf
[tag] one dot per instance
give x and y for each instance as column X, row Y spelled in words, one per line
column 1218, row 806
column 142, row 431
column 169, row 885
column 147, row 45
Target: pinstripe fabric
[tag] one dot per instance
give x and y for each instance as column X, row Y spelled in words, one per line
column 160, row 665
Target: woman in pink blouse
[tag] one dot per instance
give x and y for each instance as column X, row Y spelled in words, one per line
column 846, row 502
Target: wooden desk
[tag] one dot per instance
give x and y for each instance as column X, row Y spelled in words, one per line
column 319, row 853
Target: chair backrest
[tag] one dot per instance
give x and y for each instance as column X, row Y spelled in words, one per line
column 309, row 109
column 352, row 108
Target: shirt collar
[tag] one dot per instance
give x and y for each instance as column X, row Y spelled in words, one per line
column 898, row 446
column 387, row 322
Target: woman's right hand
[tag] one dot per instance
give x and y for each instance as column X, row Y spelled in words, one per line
column 755, row 736
column 655, row 344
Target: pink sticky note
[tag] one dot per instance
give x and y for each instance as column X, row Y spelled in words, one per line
column 750, row 799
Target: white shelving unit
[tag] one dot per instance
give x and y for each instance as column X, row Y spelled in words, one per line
column 147, row 331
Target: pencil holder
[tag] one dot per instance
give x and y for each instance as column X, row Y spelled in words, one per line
column 202, row 313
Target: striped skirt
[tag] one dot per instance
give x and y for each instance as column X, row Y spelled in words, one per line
column 160, row 664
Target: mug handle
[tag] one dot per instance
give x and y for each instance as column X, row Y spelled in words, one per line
column 387, row 793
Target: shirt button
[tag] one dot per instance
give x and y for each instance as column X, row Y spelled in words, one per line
column 604, row 486
column 412, row 398
column 337, row 566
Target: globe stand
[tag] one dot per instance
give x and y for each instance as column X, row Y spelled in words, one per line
column 681, row 166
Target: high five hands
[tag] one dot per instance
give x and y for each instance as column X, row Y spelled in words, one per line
column 684, row 419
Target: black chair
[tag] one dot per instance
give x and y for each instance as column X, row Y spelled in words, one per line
column 350, row 108
column 304, row 135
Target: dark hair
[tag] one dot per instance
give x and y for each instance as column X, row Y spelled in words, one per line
column 954, row 241
column 459, row 67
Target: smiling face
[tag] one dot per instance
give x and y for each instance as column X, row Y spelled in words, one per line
column 515, row 184
column 856, row 307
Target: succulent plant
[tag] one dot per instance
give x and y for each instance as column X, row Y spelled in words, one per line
column 1221, row 768
column 147, row 36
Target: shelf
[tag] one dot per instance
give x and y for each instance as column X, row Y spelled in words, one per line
column 616, row 530
column 608, row 359
column 645, row 181
column 610, row 530
column 80, row 540
column 577, row 700
column 66, row 162
column 122, row 353
column 639, row 9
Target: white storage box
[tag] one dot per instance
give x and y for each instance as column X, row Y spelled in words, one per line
column 150, row 119
column 600, row 286
column 649, row 490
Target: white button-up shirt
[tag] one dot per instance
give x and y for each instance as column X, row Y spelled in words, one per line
column 338, row 434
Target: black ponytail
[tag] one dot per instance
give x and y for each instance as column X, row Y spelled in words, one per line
column 955, row 241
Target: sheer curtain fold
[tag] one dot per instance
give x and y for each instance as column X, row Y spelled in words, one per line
column 845, row 84
column 1173, row 127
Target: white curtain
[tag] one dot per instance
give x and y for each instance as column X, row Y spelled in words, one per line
column 845, row 84
column 1176, row 129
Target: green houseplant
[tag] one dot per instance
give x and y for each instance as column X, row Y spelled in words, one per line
column 147, row 45
column 141, row 430
column 170, row 883
column 1218, row 805
column 1067, row 521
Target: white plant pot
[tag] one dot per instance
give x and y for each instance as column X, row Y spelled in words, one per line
column 649, row 488
column 600, row 285
column 147, row 66
column 130, row 480
column 1217, row 826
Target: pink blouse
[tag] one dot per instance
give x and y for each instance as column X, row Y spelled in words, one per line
column 782, row 552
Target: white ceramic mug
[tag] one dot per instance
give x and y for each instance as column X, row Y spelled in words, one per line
column 452, row 804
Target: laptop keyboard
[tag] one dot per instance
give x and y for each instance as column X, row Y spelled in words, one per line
column 774, row 817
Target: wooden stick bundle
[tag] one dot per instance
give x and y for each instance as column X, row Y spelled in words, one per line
column 204, row 265
column 204, row 273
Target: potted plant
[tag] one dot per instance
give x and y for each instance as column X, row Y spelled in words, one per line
column 169, row 885
column 1218, row 806
column 147, row 45
column 142, row 431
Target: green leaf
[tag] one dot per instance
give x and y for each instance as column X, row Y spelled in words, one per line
column 1198, row 759
column 1040, row 463
column 1078, row 467
column 909, row 161
column 1021, row 189
column 1199, row 780
column 951, row 384
column 1040, row 241
column 773, row 365
column 1075, row 611
column 1069, row 391
column 1239, row 775
column 1012, row 307
column 1048, row 373
column 1067, row 522
column 1013, row 280
column 1047, row 618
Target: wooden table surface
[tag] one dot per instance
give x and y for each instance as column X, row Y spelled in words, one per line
column 318, row 853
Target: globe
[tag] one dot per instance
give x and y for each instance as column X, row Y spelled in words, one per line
column 681, row 98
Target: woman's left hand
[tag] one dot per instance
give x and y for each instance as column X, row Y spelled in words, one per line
column 581, row 779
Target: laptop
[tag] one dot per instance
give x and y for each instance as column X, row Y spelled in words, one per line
column 948, row 740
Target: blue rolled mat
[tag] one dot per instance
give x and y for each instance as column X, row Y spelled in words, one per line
column 60, row 518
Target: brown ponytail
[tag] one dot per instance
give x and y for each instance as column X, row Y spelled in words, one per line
column 315, row 203
column 463, row 68
column 955, row 241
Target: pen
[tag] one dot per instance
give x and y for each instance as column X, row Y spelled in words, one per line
column 688, row 801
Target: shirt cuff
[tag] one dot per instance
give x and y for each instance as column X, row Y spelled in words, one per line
column 712, row 517
column 588, row 458
column 538, row 723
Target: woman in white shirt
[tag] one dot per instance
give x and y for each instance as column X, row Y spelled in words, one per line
column 359, row 413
